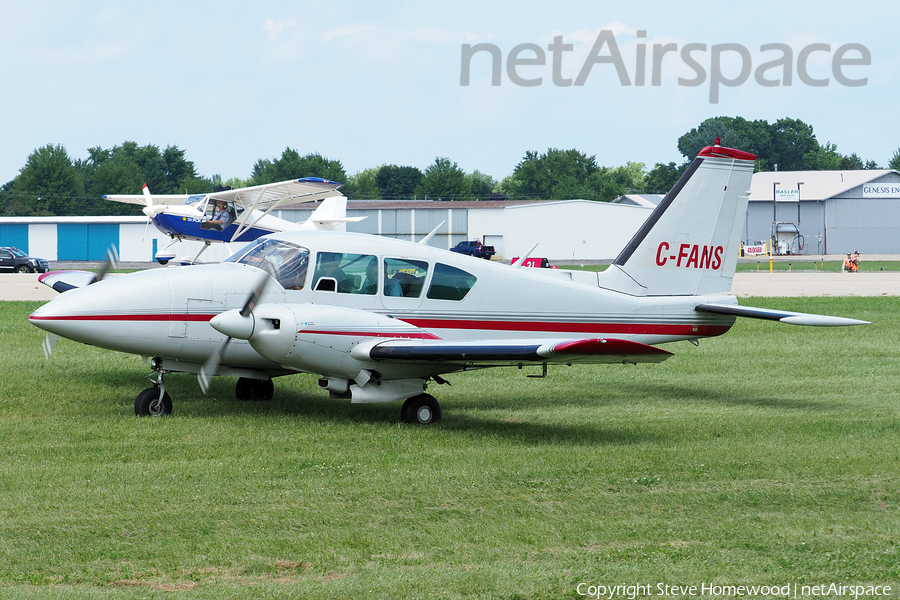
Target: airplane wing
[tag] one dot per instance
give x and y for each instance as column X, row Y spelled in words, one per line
column 270, row 196
column 63, row 281
column 792, row 318
column 511, row 352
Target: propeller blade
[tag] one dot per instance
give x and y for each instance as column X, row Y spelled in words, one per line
column 254, row 295
column 49, row 344
column 146, row 227
column 209, row 368
column 147, row 197
column 111, row 262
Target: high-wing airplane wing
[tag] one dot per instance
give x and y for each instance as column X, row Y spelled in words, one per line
column 497, row 352
column 270, row 196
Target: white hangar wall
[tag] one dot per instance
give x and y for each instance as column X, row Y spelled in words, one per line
column 563, row 230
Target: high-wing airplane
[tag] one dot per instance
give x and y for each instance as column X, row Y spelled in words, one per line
column 380, row 319
column 238, row 215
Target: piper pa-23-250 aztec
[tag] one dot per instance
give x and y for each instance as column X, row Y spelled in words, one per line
column 238, row 215
column 378, row 319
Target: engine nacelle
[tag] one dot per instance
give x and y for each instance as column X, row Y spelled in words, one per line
column 319, row 338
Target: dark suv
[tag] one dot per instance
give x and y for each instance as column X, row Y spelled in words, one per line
column 13, row 260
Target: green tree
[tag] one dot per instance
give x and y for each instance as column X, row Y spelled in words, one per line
column 293, row 166
column 851, row 162
column 398, row 182
column 481, row 185
column 894, row 163
column 783, row 143
column 363, row 185
column 444, row 180
column 663, row 177
column 48, row 184
column 733, row 132
column 792, row 140
column 566, row 171
column 824, row 158
column 608, row 183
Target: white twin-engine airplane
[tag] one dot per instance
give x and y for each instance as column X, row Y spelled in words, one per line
column 378, row 319
column 193, row 217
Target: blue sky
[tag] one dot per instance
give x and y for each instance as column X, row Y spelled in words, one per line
column 373, row 83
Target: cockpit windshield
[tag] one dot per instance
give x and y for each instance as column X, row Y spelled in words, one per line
column 285, row 261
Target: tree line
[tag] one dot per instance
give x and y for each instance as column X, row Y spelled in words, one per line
column 52, row 183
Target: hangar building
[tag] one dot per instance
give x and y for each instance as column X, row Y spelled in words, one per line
column 807, row 212
column 826, row 212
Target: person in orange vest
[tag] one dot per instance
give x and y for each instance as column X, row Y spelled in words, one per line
column 855, row 262
column 847, row 267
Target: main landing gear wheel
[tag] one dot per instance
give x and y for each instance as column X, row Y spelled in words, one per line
column 421, row 410
column 260, row 390
column 149, row 404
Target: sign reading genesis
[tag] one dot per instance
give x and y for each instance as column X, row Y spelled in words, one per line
column 884, row 190
column 605, row 50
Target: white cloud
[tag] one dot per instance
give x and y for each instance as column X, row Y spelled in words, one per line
column 276, row 28
column 344, row 31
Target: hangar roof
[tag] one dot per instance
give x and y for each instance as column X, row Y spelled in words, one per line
column 816, row 185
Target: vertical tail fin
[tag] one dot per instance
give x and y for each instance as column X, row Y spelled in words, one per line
column 689, row 244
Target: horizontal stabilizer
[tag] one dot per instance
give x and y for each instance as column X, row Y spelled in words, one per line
column 792, row 318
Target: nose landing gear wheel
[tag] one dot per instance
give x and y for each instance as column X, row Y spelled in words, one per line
column 421, row 410
column 149, row 404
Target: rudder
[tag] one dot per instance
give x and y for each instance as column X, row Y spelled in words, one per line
column 690, row 243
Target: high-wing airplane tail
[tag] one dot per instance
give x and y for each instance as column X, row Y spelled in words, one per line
column 331, row 215
column 690, row 243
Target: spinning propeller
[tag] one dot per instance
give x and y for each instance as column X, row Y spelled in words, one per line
column 109, row 263
column 235, row 324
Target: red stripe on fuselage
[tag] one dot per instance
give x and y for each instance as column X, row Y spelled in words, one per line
column 679, row 329
column 154, row 318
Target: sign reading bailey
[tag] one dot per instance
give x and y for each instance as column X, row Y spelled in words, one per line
column 890, row 190
column 779, row 70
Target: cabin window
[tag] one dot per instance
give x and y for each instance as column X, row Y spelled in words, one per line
column 403, row 277
column 450, row 283
column 286, row 262
column 346, row 273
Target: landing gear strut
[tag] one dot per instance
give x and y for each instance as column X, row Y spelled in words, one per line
column 421, row 410
column 154, row 401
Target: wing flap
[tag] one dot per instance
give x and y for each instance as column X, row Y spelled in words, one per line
column 512, row 352
column 792, row 318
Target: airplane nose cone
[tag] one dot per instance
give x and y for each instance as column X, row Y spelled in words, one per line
column 152, row 211
column 232, row 324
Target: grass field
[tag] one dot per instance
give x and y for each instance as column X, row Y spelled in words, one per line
column 768, row 456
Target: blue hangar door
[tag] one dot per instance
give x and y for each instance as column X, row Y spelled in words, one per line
column 14, row 234
column 85, row 241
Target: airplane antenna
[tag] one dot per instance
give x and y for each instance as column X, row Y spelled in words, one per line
column 424, row 240
column 520, row 262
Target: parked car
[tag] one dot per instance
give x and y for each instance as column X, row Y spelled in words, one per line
column 540, row 263
column 474, row 248
column 13, row 260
